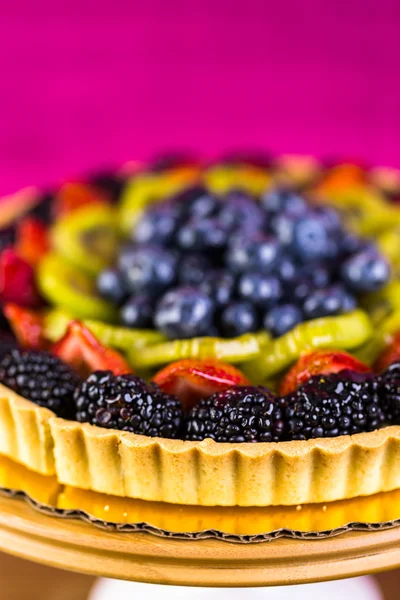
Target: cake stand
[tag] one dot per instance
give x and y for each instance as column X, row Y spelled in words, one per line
column 142, row 557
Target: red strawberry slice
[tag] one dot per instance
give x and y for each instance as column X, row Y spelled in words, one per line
column 17, row 280
column 390, row 355
column 73, row 195
column 32, row 240
column 316, row 363
column 192, row 380
column 80, row 349
column 27, row 326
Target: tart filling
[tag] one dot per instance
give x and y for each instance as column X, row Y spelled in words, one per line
column 223, row 266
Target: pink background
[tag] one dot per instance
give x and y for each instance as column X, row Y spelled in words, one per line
column 94, row 83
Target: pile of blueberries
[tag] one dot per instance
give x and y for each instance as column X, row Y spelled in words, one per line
column 203, row 265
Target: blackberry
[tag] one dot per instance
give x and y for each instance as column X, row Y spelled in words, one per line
column 240, row 414
column 128, row 403
column 389, row 389
column 41, row 378
column 331, row 405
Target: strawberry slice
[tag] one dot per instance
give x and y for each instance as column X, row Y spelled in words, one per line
column 17, row 280
column 27, row 326
column 32, row 240
column 390, row 355
column 316, row 363
column 80, row 349
column 73, row 195
column 192, row 380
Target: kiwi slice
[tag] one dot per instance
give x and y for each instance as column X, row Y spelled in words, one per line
column 223, row 178
column 66, row 287
column 146, row 188
column 88, row 237
column 235, row 350
column 389, row 244
column 383, row 331
column 345, row 331
column 121, row 338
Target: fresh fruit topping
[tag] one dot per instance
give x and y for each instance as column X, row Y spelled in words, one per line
column 73, row 196
column 71, row 289
column 239, row 318
column 225, row 178
column 17, row 280
column 147, row 269
column 389, row 388
column 334, row 300
column 28, row 327
column 80, row 349
column 239, row 414
column 192, row 380
column 331, row 405
column 346, row 331
column 184, row 313
column 259, row 254
column 128, row 403
column 137, row 312
column 56, row 323
column 41, row 378
column 32, row 241
column 112, row 287
column 264, row 291
column 7, row 237
column 234, row 350
column 366, row 271
column 281, row 319
column 390, row 355
column 319, row 362
column 219, row 285
column 87, row 237
column 14, row 206
column 284, row 200
column 193, row 269
column 7, row 343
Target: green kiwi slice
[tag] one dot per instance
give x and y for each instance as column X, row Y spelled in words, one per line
column 88, row 237
column 342, row 332
column 235, row 350
column 388, row 326
column 73, row 290
column 121, row 338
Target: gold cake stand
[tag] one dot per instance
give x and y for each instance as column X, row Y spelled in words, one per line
column 79, row 546
column 71, row 543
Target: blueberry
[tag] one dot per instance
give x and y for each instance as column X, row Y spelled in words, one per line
column 240, row 212
column 193, row 200
column 137, row 312
column 286, row 270
column 111, row 285
column 328, row 217
column 300, row 289
column 148, row 269
column 193, row 268
column 334, row 300
column 262, row 290
column 311, row 241
column 220, row 286
column 202, row 235
column 320, row 276
column 239, row 318
column 184, row 313
column 351, row 244
column 205, row 205
column 281, row 319
column 157, row 226
column 259, row 253
column 284, row 200
column 366, row 271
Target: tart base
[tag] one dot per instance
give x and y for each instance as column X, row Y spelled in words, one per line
column 202, row 473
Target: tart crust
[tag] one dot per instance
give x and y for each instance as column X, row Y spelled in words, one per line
column 199, row 473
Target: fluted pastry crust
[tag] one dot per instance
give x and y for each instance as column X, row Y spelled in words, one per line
column 200, row 473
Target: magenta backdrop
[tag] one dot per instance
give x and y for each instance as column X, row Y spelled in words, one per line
column 95, row 83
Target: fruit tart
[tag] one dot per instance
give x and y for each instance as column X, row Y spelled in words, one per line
column 208, row 334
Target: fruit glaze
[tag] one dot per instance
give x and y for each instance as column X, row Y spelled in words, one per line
column 248, row 300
